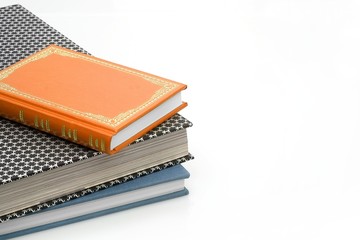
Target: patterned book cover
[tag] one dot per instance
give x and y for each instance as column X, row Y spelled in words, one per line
column 25, row 151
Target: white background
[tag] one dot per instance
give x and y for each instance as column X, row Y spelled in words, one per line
column 273, row 92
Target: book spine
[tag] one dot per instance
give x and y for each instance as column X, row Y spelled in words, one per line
column 56, row 125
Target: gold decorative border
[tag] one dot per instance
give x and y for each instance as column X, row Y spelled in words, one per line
column 166, row 86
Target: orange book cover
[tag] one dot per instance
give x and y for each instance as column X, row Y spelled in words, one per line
column 87, row 100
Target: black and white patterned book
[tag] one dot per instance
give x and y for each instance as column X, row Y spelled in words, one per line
column 27, row 154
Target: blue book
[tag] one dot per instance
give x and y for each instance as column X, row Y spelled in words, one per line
column 155, row 187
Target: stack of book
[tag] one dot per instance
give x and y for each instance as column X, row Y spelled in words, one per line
column 80, row 137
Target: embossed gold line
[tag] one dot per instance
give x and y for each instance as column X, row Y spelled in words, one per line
column 47, row 125
column 21, row 116
column 75, row 137
column 69, row 133
column 102, row 145
column 42, row 123
column 97, row 143
column 36, row 121
column 63, row 131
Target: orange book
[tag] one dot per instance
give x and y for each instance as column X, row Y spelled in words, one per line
column 87, row 100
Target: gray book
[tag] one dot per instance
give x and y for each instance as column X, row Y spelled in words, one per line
column 163, row 185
